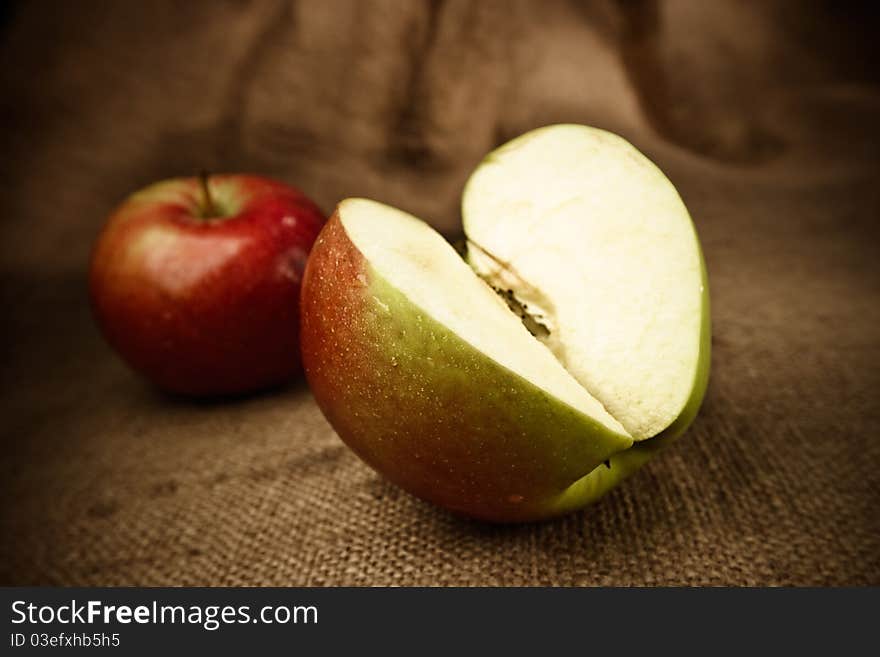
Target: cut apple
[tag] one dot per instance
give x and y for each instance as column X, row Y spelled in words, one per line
column 425, row 371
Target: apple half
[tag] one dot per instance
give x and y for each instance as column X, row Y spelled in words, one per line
column 531, row 379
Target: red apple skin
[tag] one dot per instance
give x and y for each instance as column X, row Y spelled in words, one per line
column 206, row 306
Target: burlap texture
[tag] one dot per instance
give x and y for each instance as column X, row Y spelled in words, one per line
column 764, row 115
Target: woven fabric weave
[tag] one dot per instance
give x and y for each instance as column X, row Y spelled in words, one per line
column 763, row 115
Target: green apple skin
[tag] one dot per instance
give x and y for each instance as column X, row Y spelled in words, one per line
column 432, row 413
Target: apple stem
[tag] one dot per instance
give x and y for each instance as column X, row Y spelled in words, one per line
column 208, row 207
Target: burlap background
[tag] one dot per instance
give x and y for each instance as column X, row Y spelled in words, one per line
column 764, row 115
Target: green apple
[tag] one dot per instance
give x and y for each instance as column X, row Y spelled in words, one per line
column 531, row 379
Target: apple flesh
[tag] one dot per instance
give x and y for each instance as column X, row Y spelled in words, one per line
column 197, row 288
column 425, row 372
column 595, row 240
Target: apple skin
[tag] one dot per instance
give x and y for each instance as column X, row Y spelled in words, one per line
column 427, row 410
column 205, row 306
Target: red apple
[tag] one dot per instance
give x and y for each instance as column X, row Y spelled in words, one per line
column 196, row 282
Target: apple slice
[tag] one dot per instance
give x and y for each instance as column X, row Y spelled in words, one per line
column 424, row 371
column 594, row 239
